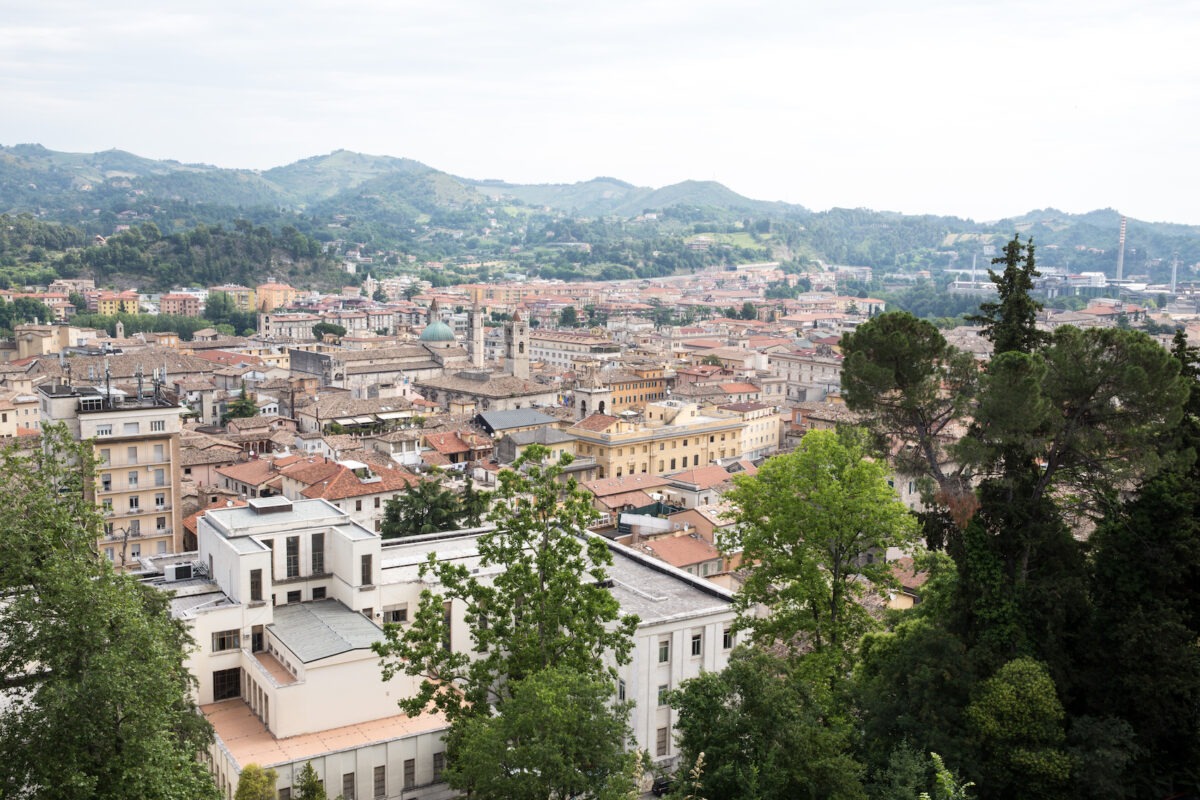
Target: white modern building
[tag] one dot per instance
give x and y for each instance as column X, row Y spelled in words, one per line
column 285, row 598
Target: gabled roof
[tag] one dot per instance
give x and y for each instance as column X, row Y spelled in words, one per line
column 681, row 551
column 516, row 418
column 701, row 477
column 344, row 483
column 596, row 422
column 603, row 487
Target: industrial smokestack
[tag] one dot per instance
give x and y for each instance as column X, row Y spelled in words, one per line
column 1174, row 271
column 1121, row 252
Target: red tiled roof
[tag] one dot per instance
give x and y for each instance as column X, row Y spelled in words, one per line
column 596, row 422
column 681, row 551
column 345, row 483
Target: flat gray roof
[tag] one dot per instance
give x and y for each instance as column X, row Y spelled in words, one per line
column 243, row 520
column 515, row 418
column 322, row 628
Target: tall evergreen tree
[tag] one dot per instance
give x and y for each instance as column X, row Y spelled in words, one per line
column 1011, row 322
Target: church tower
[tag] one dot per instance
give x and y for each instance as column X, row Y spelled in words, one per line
column 475, row 336
column 516, row 347
column 591, row 395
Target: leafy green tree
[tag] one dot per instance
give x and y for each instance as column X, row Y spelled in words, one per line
column 765, row 731
column 98, row 702
column 256, row 783
column 322, row 328
column 547, row 608
column 427, row 507
column 241, row 408
column 568, row 317
column 808, row 521
column 309, row 786
column 474, row 504
column 1018, row 720
column 219, row 308
column 1011, row 322
column 559, row 734
column 912, row 388
column 749, row 310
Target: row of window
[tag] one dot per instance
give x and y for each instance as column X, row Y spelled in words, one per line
column 697, row 645
column 132, row 428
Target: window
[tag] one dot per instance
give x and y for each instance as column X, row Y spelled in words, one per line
column 285, row 793
column 439, row 763
column 132, row 480
column 104, row 430
column 158, row 425
column 105, row 456
column 380, row 781
column 132, row 427
column 227, row 684
column 135, row 550
column 366, row 570
column 131, row 455
column 106, row 482
column 662, row 694
column 695, row 461
column 662, row 741
column 395, row 614
column 160, row 524
column 270, row 543
column 292, row 557
column 410, row 773
column 697, row 644
column 160, row 500
column 358, row 505
column 108, row 553
column 256, row 586
column 621, row 689
column 377, row 502
column 160, row 477
column 294, row 597
column 664, row 651
column 318, row 553
column 225, row 640
column 135, row 503
column 348, row 786
column 727, row 638
column 318, row 593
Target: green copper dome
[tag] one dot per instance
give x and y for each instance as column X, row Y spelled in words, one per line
column 437, row 332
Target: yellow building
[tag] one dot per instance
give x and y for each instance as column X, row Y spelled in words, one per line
column 242, row 297
column 672, row 435
column 634, row 388
column 136, row 443
column 274, row 295
column 112, row 303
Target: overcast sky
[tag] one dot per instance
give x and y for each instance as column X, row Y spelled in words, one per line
column 980, row 109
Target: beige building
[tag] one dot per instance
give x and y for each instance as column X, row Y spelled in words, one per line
column 242, row 297
column 764, row 427
column 271, row 296
column 284, row 600
column 136, row 442
column 671, row 436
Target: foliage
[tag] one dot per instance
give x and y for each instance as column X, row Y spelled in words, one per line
column 946, row 785
column 568, row 317
column 309, row 786
column 548, row 607
column 559, row 735
column 22, row 310
column 807, row 519
column 1018, row 720
column 427, row 507
column 240, row 408
column 474, row 504
column 1011, row 322
column 765, row 731
column 321, row 329
column 914, row 388
column 256, row 783
column 79, row 636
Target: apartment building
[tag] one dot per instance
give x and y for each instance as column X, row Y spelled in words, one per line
column 671, row 435
column 286, row 597
column 270, row 296
column 811, row 375
column 135, row 437
column 242, row 297
column 180, row 304
column 562, row 349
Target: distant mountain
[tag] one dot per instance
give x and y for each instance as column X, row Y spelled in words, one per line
column 611, row 197
column 322, row 177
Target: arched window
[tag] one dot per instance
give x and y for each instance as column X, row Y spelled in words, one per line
column 521, row 348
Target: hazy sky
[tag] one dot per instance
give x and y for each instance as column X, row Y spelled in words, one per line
column 981, row 109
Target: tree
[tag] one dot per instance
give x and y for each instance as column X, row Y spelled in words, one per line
column 309, row 786
column 427, row 507
column 912, row 388
column 97, row 699
column 380, row 296
column 749, row 311
column 241, row 408
column 1017, row 719
column 568, row 317
column 808, row 521
column 321, row 329
column 765, row 731
column 474, row 504
column 547, row 609
column 219, row 307
column 560, row 735
column 256, row 783
column 1011, row 322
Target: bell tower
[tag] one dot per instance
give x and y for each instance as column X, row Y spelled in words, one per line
column 516, row 347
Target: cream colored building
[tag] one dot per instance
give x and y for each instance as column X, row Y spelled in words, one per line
column 271, row 296
column 670, row 436
column 136, row 443
column 284, row 600
column 763, row 429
